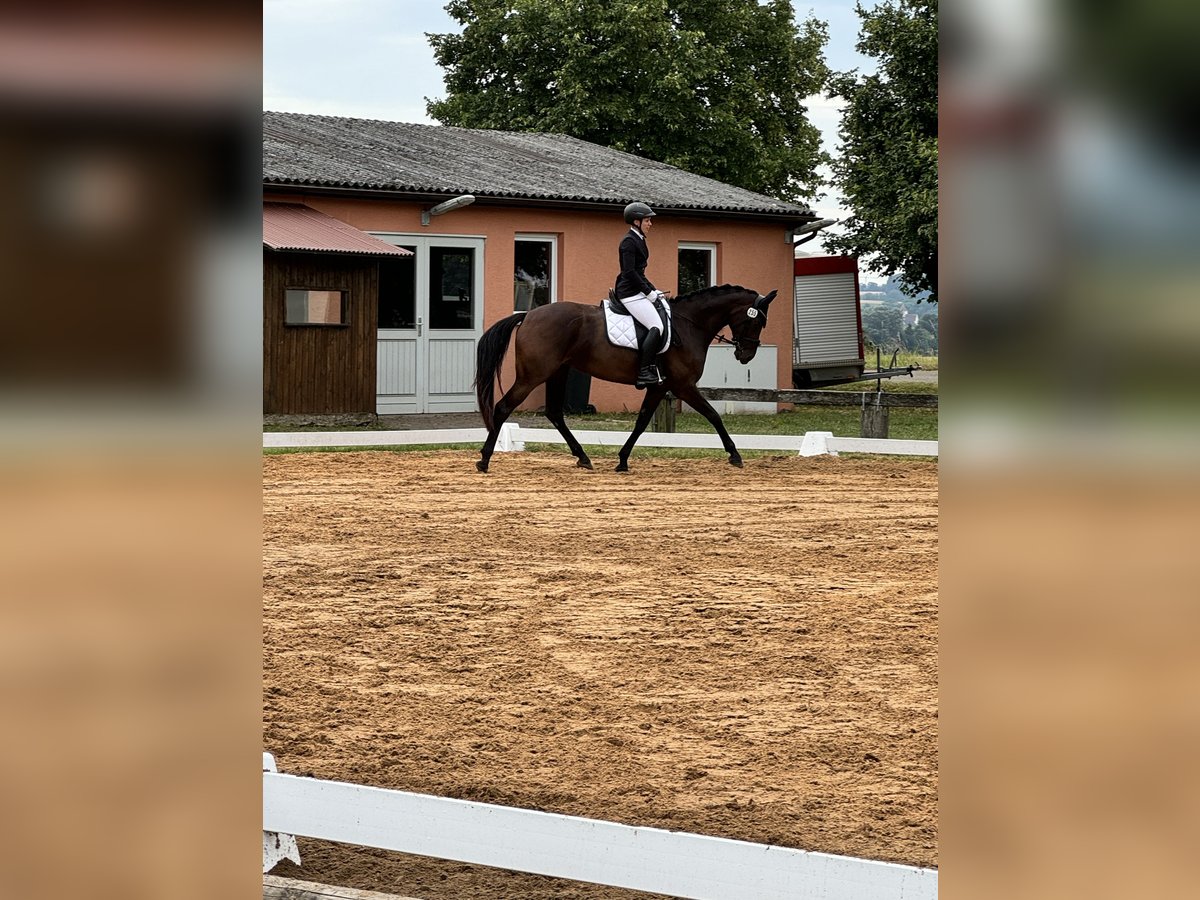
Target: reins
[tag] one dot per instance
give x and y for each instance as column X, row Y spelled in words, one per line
column 737, row 342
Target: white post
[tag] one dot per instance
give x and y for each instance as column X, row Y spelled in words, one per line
column 276, row 846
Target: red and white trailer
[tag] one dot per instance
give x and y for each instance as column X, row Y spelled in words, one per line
column 827, row 336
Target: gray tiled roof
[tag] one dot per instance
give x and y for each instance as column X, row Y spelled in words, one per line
column 373, row 155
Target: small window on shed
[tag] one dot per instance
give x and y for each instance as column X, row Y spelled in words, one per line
column 310, row 307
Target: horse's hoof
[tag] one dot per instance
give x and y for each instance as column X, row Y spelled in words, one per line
column 735, row 461
column 481, row 466
column 584, row 463
column 621, row 467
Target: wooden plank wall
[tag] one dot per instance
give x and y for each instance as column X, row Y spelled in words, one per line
column 320, row 369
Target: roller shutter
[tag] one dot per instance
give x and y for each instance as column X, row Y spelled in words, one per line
column 826, row 320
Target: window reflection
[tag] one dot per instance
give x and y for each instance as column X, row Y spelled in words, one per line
column 398, row 292
column 312, row 307
column 695, row 269
column 451, row 277
column 532, row 274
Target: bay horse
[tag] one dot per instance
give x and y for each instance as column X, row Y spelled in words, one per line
column 553, row 338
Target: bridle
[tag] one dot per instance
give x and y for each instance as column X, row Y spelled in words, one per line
column 749, row 342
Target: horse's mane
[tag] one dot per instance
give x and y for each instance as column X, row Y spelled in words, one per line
column 715, row 291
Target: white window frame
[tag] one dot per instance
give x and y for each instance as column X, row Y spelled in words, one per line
column 712, row 259
column 552, row 240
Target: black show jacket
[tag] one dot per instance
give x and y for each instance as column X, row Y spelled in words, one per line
column 634, row 255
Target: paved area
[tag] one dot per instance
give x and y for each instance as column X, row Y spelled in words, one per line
column 422, row 422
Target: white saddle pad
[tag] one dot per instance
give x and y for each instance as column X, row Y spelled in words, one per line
column 621, row 328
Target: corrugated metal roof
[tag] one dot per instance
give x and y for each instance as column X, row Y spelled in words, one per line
column 292, row 226
column 365, row 154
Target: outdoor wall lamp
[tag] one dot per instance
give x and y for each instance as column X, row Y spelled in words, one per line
column 810, row 229
column 455, row 203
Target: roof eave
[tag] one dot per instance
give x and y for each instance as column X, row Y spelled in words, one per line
column 379, row 193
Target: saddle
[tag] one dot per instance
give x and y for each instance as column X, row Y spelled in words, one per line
column 626, row 331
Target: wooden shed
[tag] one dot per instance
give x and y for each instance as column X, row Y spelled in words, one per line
column 320, row 311
column 537, row 220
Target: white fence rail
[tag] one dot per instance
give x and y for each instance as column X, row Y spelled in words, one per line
column 373, row 438
column 514, row 437
column 645, row 859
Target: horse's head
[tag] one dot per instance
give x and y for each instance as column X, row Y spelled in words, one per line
column 746, row 324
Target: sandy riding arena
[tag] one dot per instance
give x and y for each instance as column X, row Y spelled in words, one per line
column 744, row 653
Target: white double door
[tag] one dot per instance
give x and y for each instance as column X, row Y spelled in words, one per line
column 430, row 321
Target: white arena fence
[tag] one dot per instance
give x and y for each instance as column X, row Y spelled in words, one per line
column 645, row 859
column 514, row 437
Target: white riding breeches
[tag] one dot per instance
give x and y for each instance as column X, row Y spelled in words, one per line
column 642, row 309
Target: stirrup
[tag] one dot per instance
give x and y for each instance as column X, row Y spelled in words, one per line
column 648, row 377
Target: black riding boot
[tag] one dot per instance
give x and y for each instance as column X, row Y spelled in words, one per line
column 647, row 375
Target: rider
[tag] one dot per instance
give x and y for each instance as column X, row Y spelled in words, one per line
column 636, row 292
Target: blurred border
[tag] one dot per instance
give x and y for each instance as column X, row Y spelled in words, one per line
column 1070, row 211
column 130, row 386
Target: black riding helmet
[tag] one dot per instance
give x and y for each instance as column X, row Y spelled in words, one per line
column 638, row 210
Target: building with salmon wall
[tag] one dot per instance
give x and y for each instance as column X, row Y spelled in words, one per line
column 377, row 286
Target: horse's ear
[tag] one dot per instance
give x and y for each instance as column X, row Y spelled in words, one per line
column 764, row 302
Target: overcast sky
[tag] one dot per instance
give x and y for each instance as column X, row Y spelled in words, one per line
column 370, row 59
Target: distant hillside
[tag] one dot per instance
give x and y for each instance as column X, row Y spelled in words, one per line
column 891, row 292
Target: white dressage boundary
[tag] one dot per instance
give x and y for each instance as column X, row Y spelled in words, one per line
column 645, row 859
column 513, row 437
column 373, row 438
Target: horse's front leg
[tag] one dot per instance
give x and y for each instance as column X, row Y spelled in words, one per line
column 653, row 397
column 691, row 395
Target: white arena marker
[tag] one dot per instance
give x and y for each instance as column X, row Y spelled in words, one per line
column 815, row 443
column 509, row 440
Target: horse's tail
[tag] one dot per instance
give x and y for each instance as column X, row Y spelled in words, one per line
column 489, row 355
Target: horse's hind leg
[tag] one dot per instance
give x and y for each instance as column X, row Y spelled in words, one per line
column 556, row 395
column 654, row 396
column 510, row 401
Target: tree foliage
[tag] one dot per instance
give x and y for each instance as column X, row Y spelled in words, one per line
column 884, row 327
column 888, row 164
column 715, row 87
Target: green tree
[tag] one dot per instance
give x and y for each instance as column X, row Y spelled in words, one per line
column 715, row 87
column 889, row 155
column 883, row 325
column 920, row 340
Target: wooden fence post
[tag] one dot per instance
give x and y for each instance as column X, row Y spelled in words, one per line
column 664, row 416
column 874, row 416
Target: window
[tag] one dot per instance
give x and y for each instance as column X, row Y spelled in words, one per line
column 534, row 260
column 697, row 267
column 398, row 292
column 308, row 307
column 451, row 290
